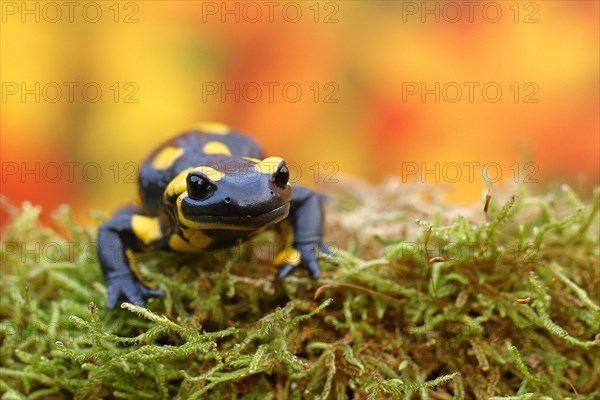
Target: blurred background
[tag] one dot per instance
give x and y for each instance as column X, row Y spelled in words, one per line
column 450, row 93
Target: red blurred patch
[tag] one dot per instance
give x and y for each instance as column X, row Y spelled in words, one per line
column 390, row 127
column 28, row 173
column 569, row 147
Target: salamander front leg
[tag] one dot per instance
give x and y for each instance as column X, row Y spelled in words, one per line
column 306, row 218
column 117, row 242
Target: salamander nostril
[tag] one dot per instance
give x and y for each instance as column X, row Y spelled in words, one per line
column 227, row 200
column 272, row 193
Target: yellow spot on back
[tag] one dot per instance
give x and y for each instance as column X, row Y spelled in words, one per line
column 215, row 128
column 268, row 165
column 289, row 255
column 146, row 228
column 216, row 148
column 256, row 160
column 134, row 268
column 166, row 157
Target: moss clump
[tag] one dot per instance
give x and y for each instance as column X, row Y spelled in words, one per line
column 460, row 304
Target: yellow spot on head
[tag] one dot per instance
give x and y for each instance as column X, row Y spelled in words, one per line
column 146, row 228
column 166, row 157
column 181, row 216
column 178, row 185
column 210, row 172
column 216, row 148
column 268, row 165
column 289, row 255
column 215, row 128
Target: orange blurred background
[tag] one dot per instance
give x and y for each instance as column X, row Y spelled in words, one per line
column 420, row 90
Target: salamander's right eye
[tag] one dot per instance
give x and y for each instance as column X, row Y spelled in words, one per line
column 281, row 176
column 199, row 187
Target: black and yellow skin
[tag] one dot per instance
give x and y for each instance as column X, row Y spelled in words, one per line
column 205, row 189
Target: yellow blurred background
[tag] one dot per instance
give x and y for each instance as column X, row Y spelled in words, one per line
column 430, row 91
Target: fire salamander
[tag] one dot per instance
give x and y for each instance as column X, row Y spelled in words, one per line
column 206, row 189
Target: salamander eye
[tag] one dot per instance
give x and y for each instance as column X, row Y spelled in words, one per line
column 281, row 176
column 199, row 187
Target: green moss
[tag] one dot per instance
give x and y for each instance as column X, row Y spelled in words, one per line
column 469, row 305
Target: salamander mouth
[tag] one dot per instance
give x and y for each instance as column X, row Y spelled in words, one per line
column 248, row 222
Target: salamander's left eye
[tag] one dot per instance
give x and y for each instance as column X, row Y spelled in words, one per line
column 199, row 186
column 281, row 176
